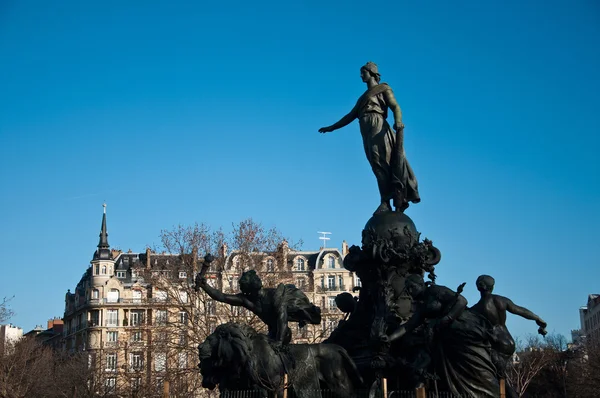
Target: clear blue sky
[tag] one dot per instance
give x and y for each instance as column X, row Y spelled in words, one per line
column 175, row 112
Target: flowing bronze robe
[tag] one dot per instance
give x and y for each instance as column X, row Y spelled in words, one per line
column 385, row 149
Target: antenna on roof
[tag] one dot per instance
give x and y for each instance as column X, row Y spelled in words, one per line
column 324, row 238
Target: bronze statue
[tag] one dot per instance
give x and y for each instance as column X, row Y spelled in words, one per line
column 274, row 306
column 457, row 342
column 384, row 147
column 241, row 361
column 493, row 308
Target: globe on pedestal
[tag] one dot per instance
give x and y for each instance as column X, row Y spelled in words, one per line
column 386, row 224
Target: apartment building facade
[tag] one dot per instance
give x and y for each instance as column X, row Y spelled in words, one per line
column 139, row 318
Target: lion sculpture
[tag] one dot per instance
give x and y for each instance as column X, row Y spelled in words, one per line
column 238, row 358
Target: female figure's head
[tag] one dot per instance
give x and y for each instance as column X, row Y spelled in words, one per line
column 415, row 286
column 250, row 283
column 370, row 71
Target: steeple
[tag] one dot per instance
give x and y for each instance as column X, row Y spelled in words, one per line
column 103, row 244
column 103, row 252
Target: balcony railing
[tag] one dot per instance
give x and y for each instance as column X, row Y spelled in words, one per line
column 334, row 288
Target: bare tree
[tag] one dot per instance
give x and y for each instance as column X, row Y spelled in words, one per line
column 31, row 369
column 189, row 315
column 584, row 370
column 5, row 311
column 530, row 359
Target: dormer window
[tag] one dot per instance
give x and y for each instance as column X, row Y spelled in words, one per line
column 270, row 265
column 300, row 264
column 182, row 274
column 121, row 274
column 331, row 262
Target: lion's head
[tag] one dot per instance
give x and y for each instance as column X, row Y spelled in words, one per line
column 225, row 353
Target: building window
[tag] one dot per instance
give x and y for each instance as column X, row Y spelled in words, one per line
column 357, row 281
column 136, row 361
column 183, row 317
column 182, row 360
column 110, row 383
column 212, row 325
column 183, row 296
column 136, row 337
column 112, row 317
column 94, row 318
column 236, row 310
column 135, row 383
column 121, row 274
column 161, row 337
column 97, row 269
column 111, row 362
column 300, row 264
column 160, row 295
column 331, row 303
column 113, row 296
column 135, row 273
column 160, row 361
column 300, row 283
column 182, row 274
column 270, row 265
column 341, row 282
column 161, row 317
column 331, row 262
column 331, row 324
column 302, row 332
column 166, row 274
column 112, row 337
column 137, row 317
column 323, row 282
column 95, row 294
column 211, row 307
column 331, row 282
column 137, row 296
column 183, row 338
column 103, row 269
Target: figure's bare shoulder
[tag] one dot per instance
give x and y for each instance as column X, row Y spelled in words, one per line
column 501, row 302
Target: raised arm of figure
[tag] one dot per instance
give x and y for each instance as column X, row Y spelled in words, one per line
column 231, row 299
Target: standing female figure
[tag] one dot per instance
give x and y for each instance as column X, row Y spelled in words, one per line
column 384, row 147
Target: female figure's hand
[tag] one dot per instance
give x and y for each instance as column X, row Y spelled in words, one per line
column 398, row 126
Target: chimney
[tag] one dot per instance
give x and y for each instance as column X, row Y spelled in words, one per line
column 148, row 258
column 195, row 259
column 344, row 248
column 224, row 250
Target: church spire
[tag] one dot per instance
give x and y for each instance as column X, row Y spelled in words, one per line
column 103, row 251
column 103, row 244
